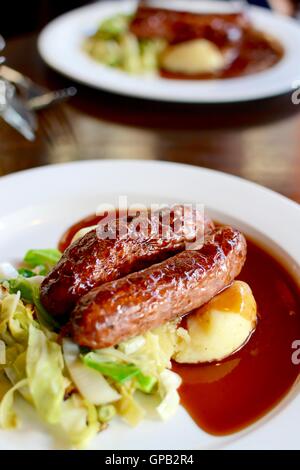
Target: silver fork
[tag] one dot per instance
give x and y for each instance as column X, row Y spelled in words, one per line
column 51, row 97
column 36, row 96
column 27, row 87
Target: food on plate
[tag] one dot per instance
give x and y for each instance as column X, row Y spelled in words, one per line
column 164, row 321
column 92, row 260
column 114, row 45
column 179, row 44
column 220, row 327
column 122, row 309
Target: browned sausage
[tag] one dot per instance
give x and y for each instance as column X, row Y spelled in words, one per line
column 178, row 26
column 144, row 300
column 92, row 261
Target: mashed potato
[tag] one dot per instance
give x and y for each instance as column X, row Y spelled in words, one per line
column 192, row 57
column 220, row 327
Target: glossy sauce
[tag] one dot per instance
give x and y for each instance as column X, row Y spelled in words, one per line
column 225, row 397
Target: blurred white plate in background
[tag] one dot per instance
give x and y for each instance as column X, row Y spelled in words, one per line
column 60, row 45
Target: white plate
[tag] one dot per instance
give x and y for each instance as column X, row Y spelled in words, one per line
column 40, row 204
column 60, row 46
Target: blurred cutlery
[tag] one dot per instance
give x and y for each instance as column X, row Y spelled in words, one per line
column 17, row 109
column 27, row 87
column 13, row 111
column 36, row 96
column 50, row 98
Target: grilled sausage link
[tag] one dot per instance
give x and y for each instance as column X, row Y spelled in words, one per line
column 178, row 26
column 92, row 260
column 144, row 300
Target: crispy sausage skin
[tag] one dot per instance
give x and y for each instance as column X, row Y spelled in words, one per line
column 92, row 260
column 177, row 26
column 144, row 300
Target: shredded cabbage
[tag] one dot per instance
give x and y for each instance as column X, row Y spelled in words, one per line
column 91, row 384
column 2, row 352
column 128, row 407
column 44, row 259
column 113, row 27
column 35, row 368
column 8, row 417
column 115, row 46
column 7, row 271
column 132, row 345
column 106, row 413
column 8, row 307
column 30, row 292
column 156, row 352
column 44, row 368
column 77, row 391
column 80, row 420
column 168, row 385
column 5, row 384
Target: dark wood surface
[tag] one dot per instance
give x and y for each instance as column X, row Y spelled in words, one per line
column 259, row 141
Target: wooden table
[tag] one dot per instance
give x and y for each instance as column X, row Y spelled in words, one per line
column 259, row 141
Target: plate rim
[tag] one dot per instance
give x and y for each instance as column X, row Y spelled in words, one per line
column 45, row 168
